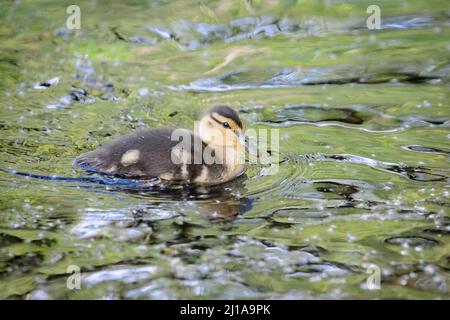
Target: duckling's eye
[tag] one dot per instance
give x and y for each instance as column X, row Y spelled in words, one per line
column 226, row 125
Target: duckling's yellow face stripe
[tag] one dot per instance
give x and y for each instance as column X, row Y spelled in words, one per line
column 217, row 129
column 221, row 120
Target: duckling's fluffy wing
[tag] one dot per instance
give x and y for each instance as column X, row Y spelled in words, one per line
column 144, row 153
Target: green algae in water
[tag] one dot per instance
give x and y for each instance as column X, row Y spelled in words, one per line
column 364, row 126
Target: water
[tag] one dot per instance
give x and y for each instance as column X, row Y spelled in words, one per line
column 364, row 137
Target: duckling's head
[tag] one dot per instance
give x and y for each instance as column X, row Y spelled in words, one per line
column 221, row 126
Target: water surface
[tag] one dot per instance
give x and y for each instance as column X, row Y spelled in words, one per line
column 364, row 141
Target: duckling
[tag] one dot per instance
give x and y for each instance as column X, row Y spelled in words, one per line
column 213, row 154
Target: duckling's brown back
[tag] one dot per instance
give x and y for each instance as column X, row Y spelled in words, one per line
column 147, row 153
column 143, row 153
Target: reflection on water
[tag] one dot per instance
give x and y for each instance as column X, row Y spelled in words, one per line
column 218, row 204
column 363, row 120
